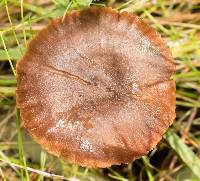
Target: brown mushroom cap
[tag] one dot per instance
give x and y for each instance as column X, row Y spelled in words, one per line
column 95, row 88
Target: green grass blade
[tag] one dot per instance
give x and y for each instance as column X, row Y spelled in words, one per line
column 147, row 168
column 13, row 53
column 22, row 19
column 20, row 146
column 7, row 54
column 184, row 152
column 13, row 28
column 6, row 82
column 43, row 156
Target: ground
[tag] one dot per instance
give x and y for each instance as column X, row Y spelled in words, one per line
column 175, row 158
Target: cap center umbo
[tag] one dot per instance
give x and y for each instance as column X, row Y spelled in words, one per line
column 107, row 86
column 108, row 73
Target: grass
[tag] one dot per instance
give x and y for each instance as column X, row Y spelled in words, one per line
column 177, row 157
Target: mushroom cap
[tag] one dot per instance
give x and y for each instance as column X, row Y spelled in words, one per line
column 94, row 87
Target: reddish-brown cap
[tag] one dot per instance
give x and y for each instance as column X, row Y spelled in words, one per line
column 95, row 89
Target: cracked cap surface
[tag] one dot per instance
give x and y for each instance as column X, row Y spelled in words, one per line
column 95, row 89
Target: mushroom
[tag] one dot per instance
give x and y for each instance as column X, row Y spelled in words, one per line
column 95, row 88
